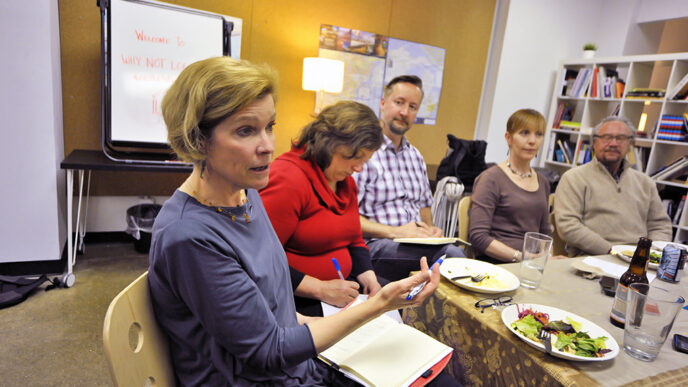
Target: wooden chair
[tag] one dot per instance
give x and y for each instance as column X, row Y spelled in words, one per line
column 558, row 244
column 464, row 221
column 135, row 347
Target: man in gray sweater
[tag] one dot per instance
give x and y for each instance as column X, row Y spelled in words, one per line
column 606, row 202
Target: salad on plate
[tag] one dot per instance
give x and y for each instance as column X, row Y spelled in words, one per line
column 567, row 336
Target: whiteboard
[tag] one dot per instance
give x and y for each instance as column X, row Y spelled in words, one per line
column 150, row 44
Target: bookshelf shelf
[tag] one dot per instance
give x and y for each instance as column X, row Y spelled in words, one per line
column 589, row 90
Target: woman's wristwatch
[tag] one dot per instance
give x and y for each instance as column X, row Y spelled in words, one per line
column 517, row 255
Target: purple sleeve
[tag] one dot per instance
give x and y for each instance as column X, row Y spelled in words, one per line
column 484, row 200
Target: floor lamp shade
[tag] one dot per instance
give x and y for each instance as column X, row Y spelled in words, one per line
column 320, row 74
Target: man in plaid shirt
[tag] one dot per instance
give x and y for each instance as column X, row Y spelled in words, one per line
column 394, row 196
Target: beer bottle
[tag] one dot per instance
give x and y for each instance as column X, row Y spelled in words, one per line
column 637, row 272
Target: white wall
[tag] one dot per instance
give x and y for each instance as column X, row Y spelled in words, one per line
column 659, row 10
column 108, row 213
column 32, row 190
column 538, row 35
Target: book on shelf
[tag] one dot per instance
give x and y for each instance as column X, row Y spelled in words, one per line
column 645, row 93
column 680, row 91
column 679, row 209
column 564, row 146
column 572, row 125
column 672, row 169
column 559, row 156
column 672, row 128
column 620, row 88
column 384, row 352
column 567, row 83
column 593, row 87
column 638, row 157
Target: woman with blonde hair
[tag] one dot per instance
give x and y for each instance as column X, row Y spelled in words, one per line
column 510, row 198
column 218, row 275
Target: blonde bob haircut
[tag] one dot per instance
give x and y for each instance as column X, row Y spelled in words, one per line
column 348, row 123
column 205, row 94
column 525, row 118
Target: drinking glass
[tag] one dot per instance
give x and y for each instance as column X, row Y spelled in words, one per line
column 536, row 250
column 650, row 313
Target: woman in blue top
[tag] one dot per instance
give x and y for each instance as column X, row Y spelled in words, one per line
column 218, row 275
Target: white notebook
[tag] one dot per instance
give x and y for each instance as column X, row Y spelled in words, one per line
column 384, row 352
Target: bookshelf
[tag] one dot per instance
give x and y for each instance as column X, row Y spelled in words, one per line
column 588, row 90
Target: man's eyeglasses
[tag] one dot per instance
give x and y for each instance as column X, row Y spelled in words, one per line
column 609, row 137
column 493, row 303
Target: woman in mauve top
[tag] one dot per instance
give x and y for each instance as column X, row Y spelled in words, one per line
column 311, row 200
column 510, row 198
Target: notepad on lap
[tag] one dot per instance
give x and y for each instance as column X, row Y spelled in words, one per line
column 384, row 352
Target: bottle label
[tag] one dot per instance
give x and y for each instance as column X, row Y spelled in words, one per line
column 619, row 307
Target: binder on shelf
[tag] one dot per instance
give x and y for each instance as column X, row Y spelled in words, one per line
column 384, row 352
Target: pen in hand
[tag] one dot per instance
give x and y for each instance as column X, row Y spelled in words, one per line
column 416, row 289
column 338, row 268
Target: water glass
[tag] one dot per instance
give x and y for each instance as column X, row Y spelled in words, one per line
column 536, row 249
column 650, row 313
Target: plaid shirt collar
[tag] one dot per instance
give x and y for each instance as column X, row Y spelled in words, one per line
column 388, row 144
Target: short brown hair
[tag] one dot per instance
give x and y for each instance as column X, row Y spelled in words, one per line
column 412, row 79
column 206, row 93
column 525, row 118
column 347, row 123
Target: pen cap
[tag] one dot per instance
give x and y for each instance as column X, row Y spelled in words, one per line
column 336, row 264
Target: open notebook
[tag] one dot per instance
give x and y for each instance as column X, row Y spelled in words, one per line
column 384, row 352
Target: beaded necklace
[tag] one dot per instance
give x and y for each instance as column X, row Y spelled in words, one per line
column 521, row 175
column 226, row 210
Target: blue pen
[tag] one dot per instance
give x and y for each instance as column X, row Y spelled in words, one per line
column 414, row 292
column 339, row 269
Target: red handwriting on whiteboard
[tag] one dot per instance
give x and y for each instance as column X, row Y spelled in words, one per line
column 155, row 63
column 131, row 59
column 143, row 37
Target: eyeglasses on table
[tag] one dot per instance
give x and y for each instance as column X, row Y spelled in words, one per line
column 493, row 303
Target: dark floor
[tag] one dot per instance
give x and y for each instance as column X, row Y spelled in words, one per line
column 55, row 338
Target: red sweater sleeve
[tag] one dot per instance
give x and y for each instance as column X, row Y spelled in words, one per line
column 283, row 212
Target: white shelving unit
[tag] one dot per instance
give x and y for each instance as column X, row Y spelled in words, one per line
column 661, row 71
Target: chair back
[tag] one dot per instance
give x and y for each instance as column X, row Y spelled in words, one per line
column 558, row 244
column 135, row 347
column 445, row 205
column 464, row 220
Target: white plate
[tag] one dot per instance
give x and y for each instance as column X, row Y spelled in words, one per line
column 453, row 267
column 658, row 245
column 426, row 241
column 510, row 314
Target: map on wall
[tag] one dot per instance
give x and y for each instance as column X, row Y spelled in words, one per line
column 371, row 60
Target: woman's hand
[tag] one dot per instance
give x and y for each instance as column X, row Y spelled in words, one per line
column 394, row 294
column 556, row 257
column 369, row 281
column 338, row 292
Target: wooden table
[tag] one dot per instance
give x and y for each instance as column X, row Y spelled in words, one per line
column 487, row 353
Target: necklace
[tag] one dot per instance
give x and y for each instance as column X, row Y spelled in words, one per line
column 227, row 210
column 521, row 175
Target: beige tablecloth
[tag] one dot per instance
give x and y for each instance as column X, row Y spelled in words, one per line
column 487, row 353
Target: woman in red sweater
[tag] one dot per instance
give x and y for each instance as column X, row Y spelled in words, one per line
column 311, row 200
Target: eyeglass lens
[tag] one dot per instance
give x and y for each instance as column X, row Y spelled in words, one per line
column 609, row 137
